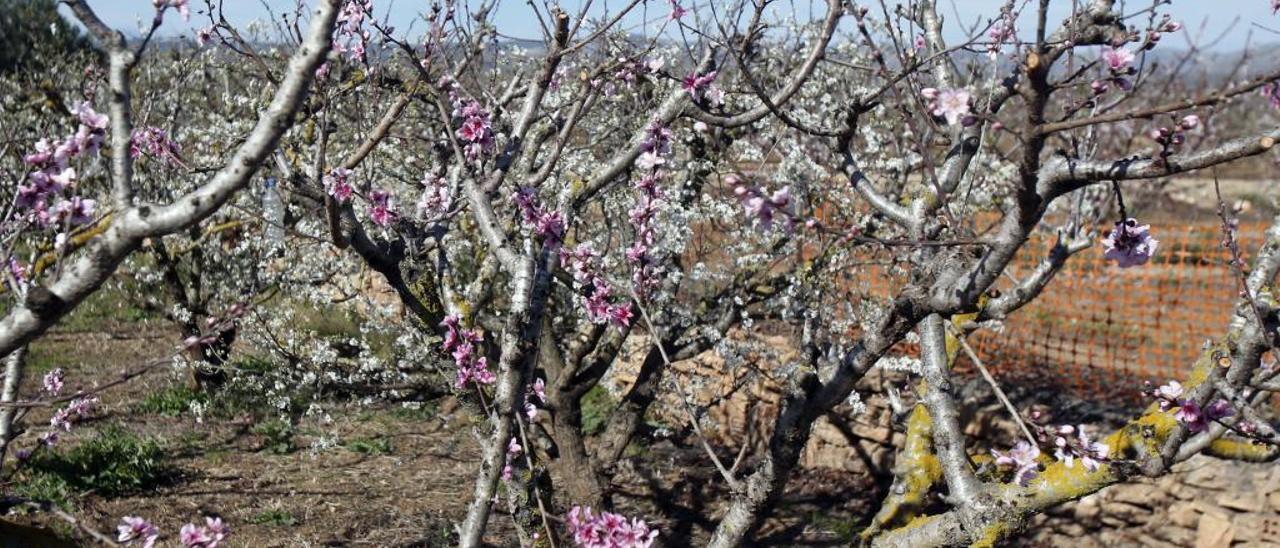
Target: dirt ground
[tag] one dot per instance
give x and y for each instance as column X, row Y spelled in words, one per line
column 366, row 474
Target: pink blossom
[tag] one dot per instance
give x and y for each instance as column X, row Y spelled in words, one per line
column 472, row 368
column 155, row 142
column 1022, row 458
column 1091, row 453
column 180, row 5
column 550, row 227
column 1117, row 60
column 208, row 536
column 1002, row 31
column 133, row 528
column 1169, row 394
column 540, row 390
column 89, row 117
column 649, row 160
column 607, row 530
column 380, row 208
column 1218, row 409
column 698, row 85
column 951, row 104
column 76, row 211
column 1130, row 244
column 677, row 11
column 763, row 207
column 1189, row 414
column 203, row 36
column 436, row 198
column 193, row 536
column 338, row 183
column 53, row 381
column 620, row 315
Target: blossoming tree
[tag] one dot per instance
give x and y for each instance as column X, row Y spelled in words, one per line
column 535, row 210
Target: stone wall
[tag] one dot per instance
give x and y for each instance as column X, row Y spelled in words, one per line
column 1205, row 503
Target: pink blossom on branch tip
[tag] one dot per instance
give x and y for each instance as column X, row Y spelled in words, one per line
column 1117, row 59
column 1129, row 244
column 950, row 104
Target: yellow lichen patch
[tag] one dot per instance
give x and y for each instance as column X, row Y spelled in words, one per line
column 992, row 535
column 1059, row 482
column 918, row 521
column 1242, row 450
column 1134, row 436
column 917, row 470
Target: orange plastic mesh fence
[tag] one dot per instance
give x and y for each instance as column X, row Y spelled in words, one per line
column 1100, row 330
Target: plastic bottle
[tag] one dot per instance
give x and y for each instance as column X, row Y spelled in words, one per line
column 273, row 212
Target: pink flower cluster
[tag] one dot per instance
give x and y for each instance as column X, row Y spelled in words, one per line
column 1130, row 244
column 1023, row 459
column 472, row 367
column 1188, row 411
column 607, row 530
column 538, row 390
column 950, row 104
column 763, row 207
column 53, row 381
column 1117, row 61
column 154, row 142
column 338, row 183
column 646, row 272
column 52, row 175
column 380, row 208
column 76, row 411
column 1272, row 92
column 351, row 37
column 1002, row 31
column 548, row 224
column 133, row 529
column 436, row 198
column 18, row 272
column 1072, row 442
column 633, row 68
column 1170, row 138
column 514, row 449
column 581, row 262
column 703, row 90
column 210, row 535
column 475, row 125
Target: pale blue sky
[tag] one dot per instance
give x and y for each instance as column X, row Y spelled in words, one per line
column 1206, row 18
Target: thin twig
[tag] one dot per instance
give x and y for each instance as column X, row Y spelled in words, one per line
column 693, row 418
column 1004, row 399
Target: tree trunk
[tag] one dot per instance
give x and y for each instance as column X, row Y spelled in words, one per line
column 575, row 474
column 764, row 485
column 13, row 370
column 626, row 419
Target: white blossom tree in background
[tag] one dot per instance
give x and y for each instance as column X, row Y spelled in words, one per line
column 726, row 170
